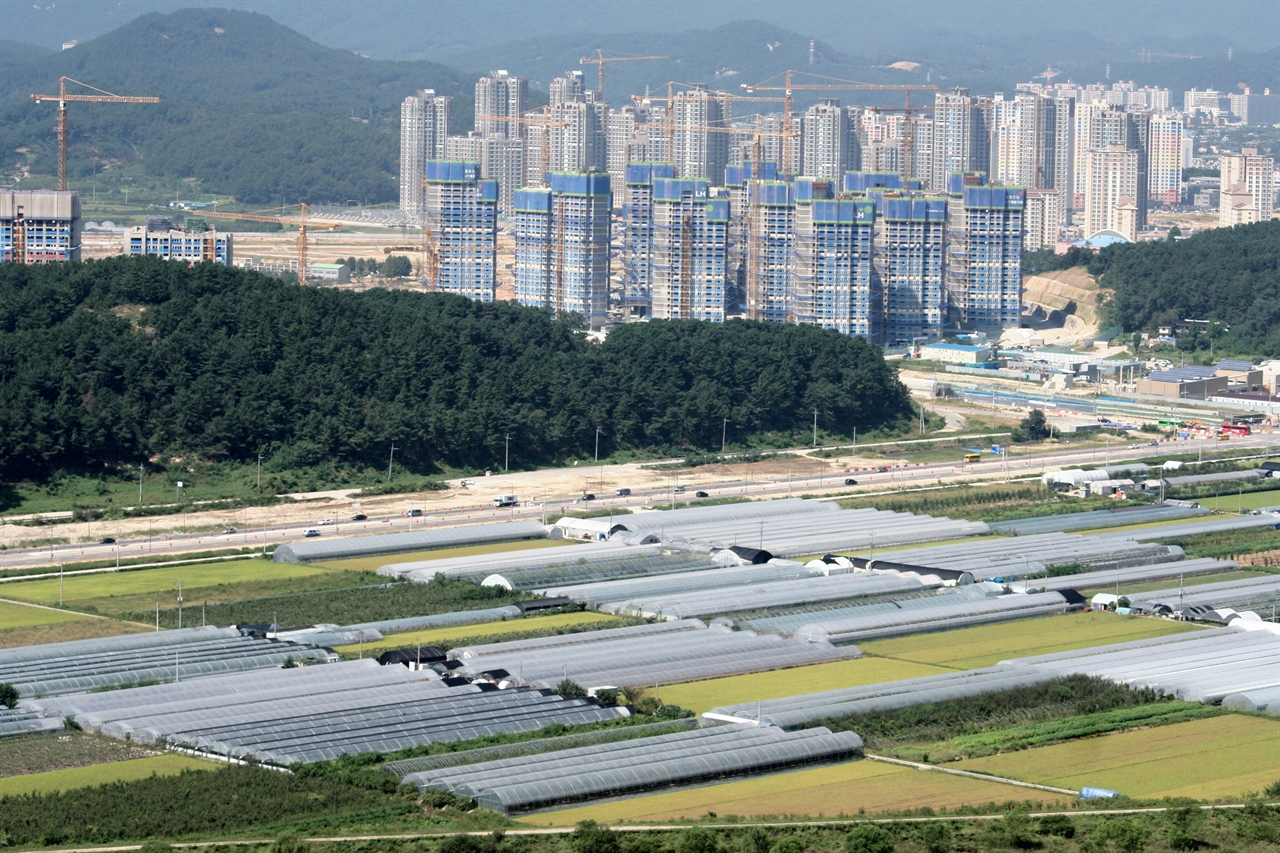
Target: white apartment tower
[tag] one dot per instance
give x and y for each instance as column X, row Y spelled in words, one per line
column 961, row 141
column 1111, row 191
column 696, row 152
column 829, row 148
column 424, row 126
column 1247, row 188
column 500, row 96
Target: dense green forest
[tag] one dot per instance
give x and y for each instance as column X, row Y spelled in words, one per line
column 109, row 362
column 1229, row 276
column 251, row 108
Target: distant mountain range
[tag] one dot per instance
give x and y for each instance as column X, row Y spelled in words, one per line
column 254, row 109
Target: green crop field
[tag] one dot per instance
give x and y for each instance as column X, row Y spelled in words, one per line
column 1221, row 757
column 433, row 636
column 99, row 774
column 14, row 615
column 370, row 564
column 1172, row 583
column 118, row 584
column 1234, row 503
column 972, row 648
column 699, row 696
column 824, row 791
column 61, row 632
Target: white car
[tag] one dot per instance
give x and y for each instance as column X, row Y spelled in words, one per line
column 326, row 522
column 310, row 532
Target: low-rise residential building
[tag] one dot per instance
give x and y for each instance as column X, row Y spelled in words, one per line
column 175, row 244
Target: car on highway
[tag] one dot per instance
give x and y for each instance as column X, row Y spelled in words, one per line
column 883, row 469
column 107, row 540
column 413, row 513
column 701, row 495
column 359, row 516
column 622, row 493
column 849, row 481
column 326, row 522
column 589, row 496
column 310, row 532
column 679, row 490
column 228, row 530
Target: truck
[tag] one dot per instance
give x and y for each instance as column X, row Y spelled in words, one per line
column 506, row 500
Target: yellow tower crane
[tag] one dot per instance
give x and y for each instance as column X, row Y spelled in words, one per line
column 63, row 97
column 600, row 60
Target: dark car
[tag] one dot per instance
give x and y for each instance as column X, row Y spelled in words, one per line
column 414, row 513
column 359, row 516
column 701, row 495
column 106, row 540
column 622, row 493
column 849, row 481
column 883, row 469
column 589, row 496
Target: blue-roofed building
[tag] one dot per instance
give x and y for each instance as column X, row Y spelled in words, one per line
column 770, row 238
column 911, row 258
column 835, row 283
column 690, row 250
column 562, row 245
column 1191, row 381
column 984, row 253
column 637, row 235
column 460, row 209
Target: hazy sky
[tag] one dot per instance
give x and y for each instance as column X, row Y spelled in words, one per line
column 401, row 28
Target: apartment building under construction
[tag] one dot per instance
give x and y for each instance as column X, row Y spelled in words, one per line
column 460, row 212
column 690, row 250
column 39, row 226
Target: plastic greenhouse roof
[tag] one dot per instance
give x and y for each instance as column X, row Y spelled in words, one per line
column 418, row 540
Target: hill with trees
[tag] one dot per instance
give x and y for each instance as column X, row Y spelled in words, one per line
column 1228, row 276
column 106, row 363
column 251, row 108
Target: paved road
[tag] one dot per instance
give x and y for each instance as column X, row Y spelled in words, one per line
column 897, row 477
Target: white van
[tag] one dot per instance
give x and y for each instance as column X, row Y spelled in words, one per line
column 506, row 500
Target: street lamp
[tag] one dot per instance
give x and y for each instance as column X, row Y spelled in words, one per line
column 724, row 429
column 597, row 444
column 506, row 459
column 815, row 427
column 260, row 471
column 391, row 461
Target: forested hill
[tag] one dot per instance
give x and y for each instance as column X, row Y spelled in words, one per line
column 250, row 107
column 110, row 362
column 1230, row 276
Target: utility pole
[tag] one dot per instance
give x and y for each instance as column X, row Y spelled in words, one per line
column 506, row 458
column 179, row 604
column 597, row 445
column 724, row 430
column 815, row 427
column 140, row 466
column 260, row 471
column 391, row 460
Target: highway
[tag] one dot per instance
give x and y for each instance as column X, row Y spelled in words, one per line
column 898, row 476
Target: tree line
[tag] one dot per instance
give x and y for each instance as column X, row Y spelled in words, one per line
column 106, row 363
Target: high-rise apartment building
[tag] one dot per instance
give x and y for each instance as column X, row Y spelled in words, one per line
column 578, row 130
column 690, row 250
column 425, row 119
column 910, row 254
column 562, row 246
column 501, row 159
column 500, row 95
column 829, row 148
column 620, row 129
column 1111, row 191
column 637, row 234
column 697, row 152
column 835, row 285
column 177, row 244
column 1099, row 128
column 1042, row 217
column 961, row 137
column 1165, row 163
column 770, row 239
column 984, row 253
column 1256, row 110
column 737, row 179
column 461, row 210
column 39, row 226
column 1248, row 188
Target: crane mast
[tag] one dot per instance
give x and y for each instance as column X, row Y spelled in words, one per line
column 103, row 97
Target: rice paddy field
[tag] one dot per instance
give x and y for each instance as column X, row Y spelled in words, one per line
column 841, row 789
column 27, row 625
column 985, row 645
column 435, row 636
column 699, row 696
column 99, row 774
column 1222, row 757
column 108, row 584
column 371, row 564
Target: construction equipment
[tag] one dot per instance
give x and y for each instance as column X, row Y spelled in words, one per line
column 62, row 98
column 908, row 133
column 546, row 121
column 1048, row 74
column 834, row 84
column 301, row 220
column 601, row 59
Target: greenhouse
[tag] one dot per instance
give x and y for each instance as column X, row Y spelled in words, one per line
column 596, row 594
column 193, row 653
column 610, row 659
column 15, row 721
column 1096, row 519
column 1133, row 575
column 1022, row 556
column 1260, row 595
column 349, row 547
column 930, row 614
column 1267, row 699
column 653, row 763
